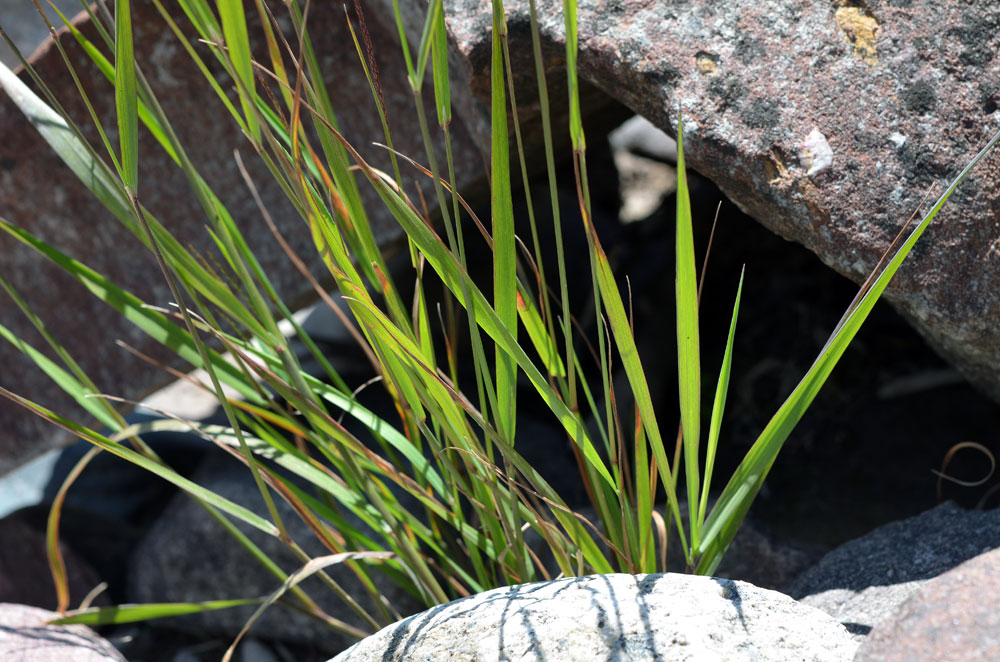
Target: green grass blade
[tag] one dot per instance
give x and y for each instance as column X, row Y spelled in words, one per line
column 504, row 247
column 234, row 28
column 71, row 386
column 106, row 68
column 439, row 58
column 629, row 353
column 126, row 101
column 135, row 613
column 92, row 171
column 550, row 168
column 435, row 16
column 688, row 351
column 719, row 406
column 539, row 335
column 575, row 121
column 153, row 323
column 143, row 462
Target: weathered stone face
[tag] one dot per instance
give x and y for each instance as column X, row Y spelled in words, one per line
column 615, row 616
column 827, row 122
column 39, row 193
column 954, row 614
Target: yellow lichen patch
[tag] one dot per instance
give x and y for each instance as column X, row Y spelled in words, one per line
column 775, row 170
column 860, row 31
column 707, row 65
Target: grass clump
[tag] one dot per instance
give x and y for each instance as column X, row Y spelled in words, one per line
column 441, row 500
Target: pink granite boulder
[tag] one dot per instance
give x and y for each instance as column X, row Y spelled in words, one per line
column 825, row 121
column 955, row 616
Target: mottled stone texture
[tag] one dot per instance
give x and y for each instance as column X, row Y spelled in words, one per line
column 826, row 121
column 40, row 194
column 953, row 617
column 644, row 618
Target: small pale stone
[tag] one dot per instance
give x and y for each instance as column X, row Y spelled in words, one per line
column 816, row 154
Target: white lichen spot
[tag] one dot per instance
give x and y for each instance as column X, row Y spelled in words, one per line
column 897, row 139
column 815, row 153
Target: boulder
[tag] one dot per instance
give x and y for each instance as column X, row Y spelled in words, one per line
column 827, row 122
column 610, row 617
column 40, row 194
column 952, row 617
column 863, row 581
column 25, row 637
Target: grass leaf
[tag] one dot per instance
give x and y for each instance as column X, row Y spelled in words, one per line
column 688, row 352
column 126, row 100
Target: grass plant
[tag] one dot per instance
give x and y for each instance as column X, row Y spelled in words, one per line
column 451, row 451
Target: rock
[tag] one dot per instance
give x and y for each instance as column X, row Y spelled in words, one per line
column 188, row 556
column 952, row 617
column 638, row 136
column 827, row 122
column 863, row 581
column 24, row 637
column 40, row 194
column 607, row 617
column 24, row 569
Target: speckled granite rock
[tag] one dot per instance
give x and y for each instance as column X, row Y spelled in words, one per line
column 24, row 637
column 827, row 122
column 614, row 617
column 955, row 616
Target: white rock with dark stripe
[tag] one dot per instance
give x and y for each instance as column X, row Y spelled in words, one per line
column 614, row 617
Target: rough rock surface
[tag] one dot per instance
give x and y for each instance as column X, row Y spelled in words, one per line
column 862, row 582
column 609, row 617
column 25, row 577
column 188, row 556
column 826, row 121
column 952, row 617
column 38, row 193
column 24, row 637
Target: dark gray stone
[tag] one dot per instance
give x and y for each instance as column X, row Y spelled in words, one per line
column 188, row 556
column 25, row 577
